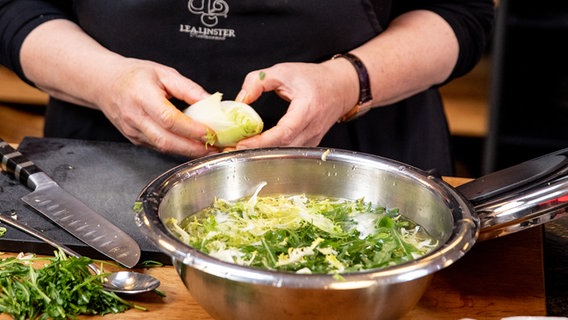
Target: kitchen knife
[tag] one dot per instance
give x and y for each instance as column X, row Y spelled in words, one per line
column 67, row 211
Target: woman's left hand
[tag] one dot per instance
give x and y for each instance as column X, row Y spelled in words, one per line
column 319, row 94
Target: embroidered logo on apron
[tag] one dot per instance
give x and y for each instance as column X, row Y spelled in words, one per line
column 210, row 11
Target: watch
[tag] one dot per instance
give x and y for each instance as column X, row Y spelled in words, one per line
column 365, row 96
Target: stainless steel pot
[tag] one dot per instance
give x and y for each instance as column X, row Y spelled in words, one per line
column 497, row 204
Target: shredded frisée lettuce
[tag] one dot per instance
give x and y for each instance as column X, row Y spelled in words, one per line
column 304, row 234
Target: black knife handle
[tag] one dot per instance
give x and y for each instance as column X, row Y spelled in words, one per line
column 17, row 165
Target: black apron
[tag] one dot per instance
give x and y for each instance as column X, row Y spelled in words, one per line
column 217, row 42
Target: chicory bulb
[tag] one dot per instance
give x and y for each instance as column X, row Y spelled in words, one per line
column 231, row 121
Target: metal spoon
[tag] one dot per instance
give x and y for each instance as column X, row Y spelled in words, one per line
column 121, row 282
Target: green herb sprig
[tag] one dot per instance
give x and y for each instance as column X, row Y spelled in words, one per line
column 62, row 289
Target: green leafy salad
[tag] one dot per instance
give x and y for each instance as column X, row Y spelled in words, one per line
column 63, row 289
column 304, row 234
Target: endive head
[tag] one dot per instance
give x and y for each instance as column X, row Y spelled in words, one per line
column 231, row 121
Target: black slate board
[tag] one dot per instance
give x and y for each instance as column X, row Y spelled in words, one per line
column 107, row 176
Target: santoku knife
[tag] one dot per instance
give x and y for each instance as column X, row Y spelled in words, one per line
column 67, row 211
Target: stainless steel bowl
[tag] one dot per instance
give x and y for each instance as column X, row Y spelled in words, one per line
column 227, row 290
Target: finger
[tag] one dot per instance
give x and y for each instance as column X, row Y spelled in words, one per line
column 257, row 82
column 251, row 89
column 269, row 138
column 285, row 133
column 166, row 141
column 181, row 87
column 175, row 120
column 163, row 127
column 169, row 118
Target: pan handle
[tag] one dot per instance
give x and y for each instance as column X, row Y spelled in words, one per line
column 518, row 177
column 519, row 197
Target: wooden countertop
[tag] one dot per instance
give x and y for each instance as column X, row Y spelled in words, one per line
column 14, row 90
column 498, row 278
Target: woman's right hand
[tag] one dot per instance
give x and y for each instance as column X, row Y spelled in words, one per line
column 137, row 103
column 133, row 94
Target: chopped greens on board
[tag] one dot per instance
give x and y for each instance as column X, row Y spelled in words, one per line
column 63, row 288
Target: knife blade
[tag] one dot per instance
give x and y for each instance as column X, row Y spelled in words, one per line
column 67, row 211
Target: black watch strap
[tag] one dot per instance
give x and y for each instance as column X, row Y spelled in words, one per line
column 365, row 95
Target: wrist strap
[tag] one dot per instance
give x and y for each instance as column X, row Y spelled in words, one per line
column 365, row 96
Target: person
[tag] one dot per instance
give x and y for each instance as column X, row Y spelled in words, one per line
column 123, row 70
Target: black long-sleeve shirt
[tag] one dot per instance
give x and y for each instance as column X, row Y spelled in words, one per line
column 215, row 43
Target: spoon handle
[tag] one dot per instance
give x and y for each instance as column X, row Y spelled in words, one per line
column 31, row 231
